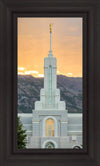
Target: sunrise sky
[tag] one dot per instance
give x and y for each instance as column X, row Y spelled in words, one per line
column 34, row 41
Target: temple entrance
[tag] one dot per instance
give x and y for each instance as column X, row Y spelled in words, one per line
column 49, row 145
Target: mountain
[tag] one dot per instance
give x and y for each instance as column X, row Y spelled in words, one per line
column 29, row 92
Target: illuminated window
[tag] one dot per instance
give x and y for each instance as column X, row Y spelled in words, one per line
column 50, row 128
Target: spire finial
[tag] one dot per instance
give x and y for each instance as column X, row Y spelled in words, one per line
column 50, row 51
column 50, row 27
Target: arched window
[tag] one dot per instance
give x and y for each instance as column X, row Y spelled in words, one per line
column 49, row 145
column 76, row 147
column 50, row 128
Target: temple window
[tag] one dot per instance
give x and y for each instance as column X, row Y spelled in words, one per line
column 50, row 128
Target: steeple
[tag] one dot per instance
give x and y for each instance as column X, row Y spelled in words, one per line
column 50, row 51
column 50, row 94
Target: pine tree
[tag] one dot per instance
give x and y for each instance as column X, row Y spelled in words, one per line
column 21, row 135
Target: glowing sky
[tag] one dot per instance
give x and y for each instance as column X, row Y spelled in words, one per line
column 33, row 45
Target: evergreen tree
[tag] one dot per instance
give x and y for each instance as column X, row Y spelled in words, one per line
column 21, row 135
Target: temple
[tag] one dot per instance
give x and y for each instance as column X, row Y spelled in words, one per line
column 50, row 125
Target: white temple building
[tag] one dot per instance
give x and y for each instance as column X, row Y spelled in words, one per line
column 50, row 125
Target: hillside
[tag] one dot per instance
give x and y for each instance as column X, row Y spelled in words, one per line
column 29, row 92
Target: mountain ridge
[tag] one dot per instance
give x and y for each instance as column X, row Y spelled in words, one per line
column 29, row 92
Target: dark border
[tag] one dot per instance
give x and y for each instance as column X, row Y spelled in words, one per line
column 9, row 155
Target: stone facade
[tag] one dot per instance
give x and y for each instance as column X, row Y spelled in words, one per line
column 74, row 131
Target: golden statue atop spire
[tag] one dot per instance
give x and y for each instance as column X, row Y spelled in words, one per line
column 50, row 27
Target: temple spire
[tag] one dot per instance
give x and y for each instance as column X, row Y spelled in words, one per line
column 50, row 51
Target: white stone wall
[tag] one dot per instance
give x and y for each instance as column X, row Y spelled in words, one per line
column 74, row 132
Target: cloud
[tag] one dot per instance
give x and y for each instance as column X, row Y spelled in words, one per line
column 58, row 72
column 40, row 75
column 20, row 73
column 27, row 73
column 70, row 74
column 31, row 72
column 21, row 68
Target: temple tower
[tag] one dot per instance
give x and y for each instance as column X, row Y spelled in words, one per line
column 50, row 115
